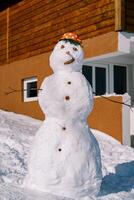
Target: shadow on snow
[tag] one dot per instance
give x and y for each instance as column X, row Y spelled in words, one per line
column 122, row 180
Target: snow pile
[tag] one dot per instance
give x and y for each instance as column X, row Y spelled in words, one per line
column 16, row 136
column 65, row 157
column 112, row 152
column 118, row 166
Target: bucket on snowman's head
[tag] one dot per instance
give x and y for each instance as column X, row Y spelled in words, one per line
column 72, row 38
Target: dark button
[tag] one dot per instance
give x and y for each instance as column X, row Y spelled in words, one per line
column 67, row 98
column 63, row 128
column 69, row 82
column 59, row 149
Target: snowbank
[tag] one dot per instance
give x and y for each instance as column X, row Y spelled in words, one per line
column 16, row 136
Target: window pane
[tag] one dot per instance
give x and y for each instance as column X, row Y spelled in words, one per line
column 120, row 85
column 6, row 3
column 32, row 89
column 100, row 80
column 87, row 72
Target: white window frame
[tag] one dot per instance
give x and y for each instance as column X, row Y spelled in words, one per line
column 111, row 76
column 25, row 81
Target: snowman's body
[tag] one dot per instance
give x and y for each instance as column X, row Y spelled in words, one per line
column 65, row 157
column 62, row 96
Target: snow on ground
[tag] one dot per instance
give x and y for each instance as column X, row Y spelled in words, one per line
column 16, row 136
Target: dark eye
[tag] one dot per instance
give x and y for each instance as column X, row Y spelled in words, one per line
column 75, row 49
column 62, row 47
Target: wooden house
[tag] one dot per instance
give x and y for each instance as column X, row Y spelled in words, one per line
column 29, row 29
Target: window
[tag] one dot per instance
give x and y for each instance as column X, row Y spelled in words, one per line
column 87, row 71
column 97, row 75
column 7, row 3
column 30, row 89
column 120, row 79
column 100, row 80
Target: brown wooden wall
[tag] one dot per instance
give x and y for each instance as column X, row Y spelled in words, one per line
column 35, row 25
column 3, row 36
column 129, row 15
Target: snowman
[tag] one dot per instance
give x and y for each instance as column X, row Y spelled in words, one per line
column 65, row 156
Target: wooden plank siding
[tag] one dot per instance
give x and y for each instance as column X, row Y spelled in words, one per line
column 36, row 25
column 129, row 15
column 3, row 37
column 124, row 15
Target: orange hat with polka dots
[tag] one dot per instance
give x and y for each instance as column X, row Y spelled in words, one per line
column 72, row 36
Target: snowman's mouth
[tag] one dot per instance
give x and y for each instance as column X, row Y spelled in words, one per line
column 71, row 60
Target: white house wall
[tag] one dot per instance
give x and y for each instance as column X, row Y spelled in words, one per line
column 126, row 121
column 131, row 82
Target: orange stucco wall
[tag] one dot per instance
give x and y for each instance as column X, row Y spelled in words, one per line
column 12, row 76
column 100, row 45
column 106, row 115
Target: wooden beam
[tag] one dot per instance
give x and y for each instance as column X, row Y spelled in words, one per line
column 7, row 37
column 119, row 15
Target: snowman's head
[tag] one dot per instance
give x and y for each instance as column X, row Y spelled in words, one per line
column 67, row 54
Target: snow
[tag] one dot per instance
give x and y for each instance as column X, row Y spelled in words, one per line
column 14, row 145
column 61, row 55
column 16, row 136
column 60, row 158
column 65, row 156
column 52, row 98
column 64, row 172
